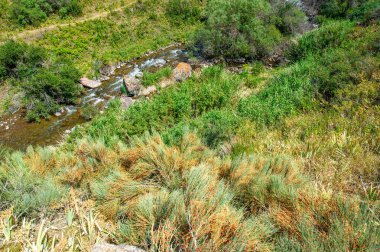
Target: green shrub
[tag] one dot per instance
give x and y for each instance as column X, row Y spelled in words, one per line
column 149, row 78
column 233, row 30
column 244, row 28
column 340, row 68
column 72, row 8
column 360, row 10
column 217, row 126
column 88, row 112
column 34, row 12
column 329, row 35
column 334, row 8
column 45, row 87
column 17, row 60
column 366, row 12
column 25, row 190
column 50, row 87
column 183, row 9
column 27, row 12
column 289, row 19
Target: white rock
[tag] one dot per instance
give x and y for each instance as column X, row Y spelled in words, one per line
column 148, row 91
column 90, row 83
column 106, row 247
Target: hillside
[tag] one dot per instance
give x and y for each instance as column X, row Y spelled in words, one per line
column 272, row 143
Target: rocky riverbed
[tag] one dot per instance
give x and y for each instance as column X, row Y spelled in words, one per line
column 17, row 133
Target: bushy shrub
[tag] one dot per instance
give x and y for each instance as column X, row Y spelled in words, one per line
column 329, row 35
column 72, row 8
column 359, row 10
column 289, row 19
column 88, row 112
column 34, row 12
column 18, row 60
column 244, row 28
column 334, row 8
column 46, row 86
column 236, row 29
column 183, row 9
column 27, row 12
column 366, row 12
column 49, row 87
column 340, row 68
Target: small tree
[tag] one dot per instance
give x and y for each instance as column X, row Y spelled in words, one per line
column 243, row 28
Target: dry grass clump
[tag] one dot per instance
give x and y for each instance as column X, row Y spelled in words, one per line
column 177, row 197
column 73, row 227
column 173, row 197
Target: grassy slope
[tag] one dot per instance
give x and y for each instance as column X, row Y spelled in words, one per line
column 276, row 170
column 120, row 35
column 123, row 30
column 90, row 8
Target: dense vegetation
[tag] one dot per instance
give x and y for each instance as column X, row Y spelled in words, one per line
column 267, row 159
column 34, row 12
column 248, row 29
column 119, row 36
column 46, row 85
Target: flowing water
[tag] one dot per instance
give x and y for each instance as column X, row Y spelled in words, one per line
column 17, row 133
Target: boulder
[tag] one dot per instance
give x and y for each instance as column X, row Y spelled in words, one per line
column 148, row 91
column 107, row 70
column 126, row 101
column 182, row 71
column 90, row 83
column 132, row 85
column 106, row 247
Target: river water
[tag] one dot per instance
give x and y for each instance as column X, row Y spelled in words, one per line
column 17, row 133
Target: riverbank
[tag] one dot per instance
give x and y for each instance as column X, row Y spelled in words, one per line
column 17, row 133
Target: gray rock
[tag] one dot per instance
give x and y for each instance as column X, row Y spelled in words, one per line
column 136, row 72
column 126, row 101
column 132, row 85
column 107, row 70
column 90, row 83
column 148, row 91
column 182, row 71
column 103, row 78
column 106, row 247
column 139, row 75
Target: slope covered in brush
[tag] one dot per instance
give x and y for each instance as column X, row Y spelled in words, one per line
column 281, row 158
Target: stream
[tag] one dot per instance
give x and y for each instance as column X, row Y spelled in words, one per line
column 17, row 133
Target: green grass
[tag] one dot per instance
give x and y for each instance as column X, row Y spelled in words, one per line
column 119, row 37
column 149, row 78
